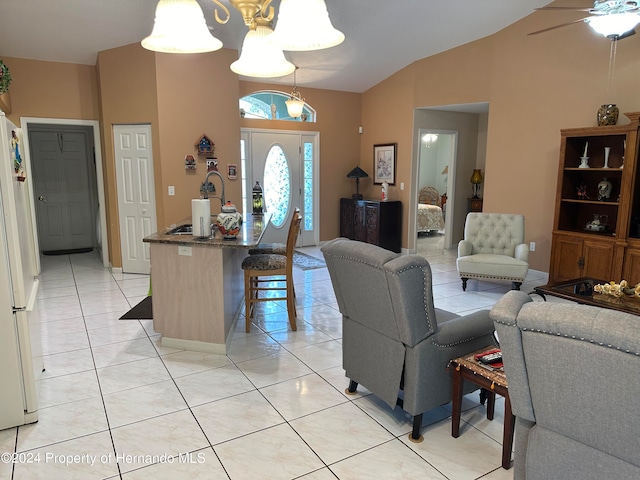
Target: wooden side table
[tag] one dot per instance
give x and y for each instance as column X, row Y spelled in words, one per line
column 474, row 204
column 494, row 381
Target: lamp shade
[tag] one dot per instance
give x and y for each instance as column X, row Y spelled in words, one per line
column 476, row 177
column 260, row 57
column 294, row 107
column 180, row 27
column 304, row 25
column 357, row 173
column 613, row 25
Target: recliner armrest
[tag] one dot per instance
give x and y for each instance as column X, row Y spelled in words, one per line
column 464, row 328
column 522, row 252
column 465, row 248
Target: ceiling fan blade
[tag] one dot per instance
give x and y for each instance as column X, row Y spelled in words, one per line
column 557, row 26
column 573, row 9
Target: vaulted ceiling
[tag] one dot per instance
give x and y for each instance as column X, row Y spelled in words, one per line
column 382, row 36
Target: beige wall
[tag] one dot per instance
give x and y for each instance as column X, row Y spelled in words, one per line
column 197, row 94
column 535, row 85
column 52, row 90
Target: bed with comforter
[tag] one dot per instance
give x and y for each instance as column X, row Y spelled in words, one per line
column 430, row 216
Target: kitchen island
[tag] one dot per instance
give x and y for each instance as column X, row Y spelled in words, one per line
column 198, row 284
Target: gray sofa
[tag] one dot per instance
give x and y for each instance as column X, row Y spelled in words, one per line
column 574, row 387
column 393, row 338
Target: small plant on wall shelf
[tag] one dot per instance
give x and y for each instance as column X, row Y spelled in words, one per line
column 5, row 78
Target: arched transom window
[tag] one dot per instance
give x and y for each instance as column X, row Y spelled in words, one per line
column 270, row 105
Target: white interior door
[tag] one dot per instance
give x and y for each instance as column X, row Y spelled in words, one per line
column 136, row 194
column 286, row 165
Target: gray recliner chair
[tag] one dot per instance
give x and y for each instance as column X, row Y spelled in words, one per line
column 393, row 338
column 573, row 383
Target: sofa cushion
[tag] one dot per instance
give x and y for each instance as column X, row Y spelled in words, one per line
column 492, row 266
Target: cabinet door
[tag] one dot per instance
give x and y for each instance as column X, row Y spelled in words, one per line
column 566, row 258
column 632, row 266
column 359, row 222
column 346, row 218
column 598, row 259
column 372, row 222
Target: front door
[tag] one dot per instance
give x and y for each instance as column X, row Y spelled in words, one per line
column 286, row 165
column 136, row 194
column 62, row 173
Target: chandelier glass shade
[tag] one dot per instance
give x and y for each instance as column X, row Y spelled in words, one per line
column 613, row 25
column 295, row 105
column 260, row 57
column 304, row 25
column 180, row 27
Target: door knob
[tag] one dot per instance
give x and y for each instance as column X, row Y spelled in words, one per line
column 41, row 198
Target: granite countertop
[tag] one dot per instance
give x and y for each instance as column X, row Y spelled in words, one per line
column 251, row 232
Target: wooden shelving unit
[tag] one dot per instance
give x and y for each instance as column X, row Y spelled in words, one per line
column 613, row 251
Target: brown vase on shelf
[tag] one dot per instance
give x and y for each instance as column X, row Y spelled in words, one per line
column 608, row 114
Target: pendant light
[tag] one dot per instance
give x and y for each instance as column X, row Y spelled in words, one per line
column 260, row 57
column 180, row 27
column 304, row 25
column 296, row 103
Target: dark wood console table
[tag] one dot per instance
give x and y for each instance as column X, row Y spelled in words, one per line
column 372, row 221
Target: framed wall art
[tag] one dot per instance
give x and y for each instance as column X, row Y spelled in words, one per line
column 384, row 163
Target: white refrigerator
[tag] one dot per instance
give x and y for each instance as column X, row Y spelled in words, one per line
column 20, row 344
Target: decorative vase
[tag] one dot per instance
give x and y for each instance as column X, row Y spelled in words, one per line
column 607, row 150
column 604, row 189
column 608, row 114
column 228, row 221
column 385, row 191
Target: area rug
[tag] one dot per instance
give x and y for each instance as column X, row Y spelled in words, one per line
column 142, row 311
column 307, row 262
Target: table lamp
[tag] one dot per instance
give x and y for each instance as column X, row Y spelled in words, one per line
column 476, row 180
column 357, row 173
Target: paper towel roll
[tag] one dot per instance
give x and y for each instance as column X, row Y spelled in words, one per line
column 201, row 217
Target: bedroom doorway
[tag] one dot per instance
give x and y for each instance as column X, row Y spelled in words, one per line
column 436, row 171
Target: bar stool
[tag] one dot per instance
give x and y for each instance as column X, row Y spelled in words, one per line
column 277, row 269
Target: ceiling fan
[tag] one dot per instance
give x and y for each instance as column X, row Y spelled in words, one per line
column 615, row 19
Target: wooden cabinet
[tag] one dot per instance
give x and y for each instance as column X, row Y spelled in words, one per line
column 597, row 204
column 474, row 204
column 371, row 221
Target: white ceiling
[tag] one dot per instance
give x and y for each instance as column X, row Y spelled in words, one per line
column 382, row 36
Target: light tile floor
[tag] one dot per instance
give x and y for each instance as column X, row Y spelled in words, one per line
column 114, row 403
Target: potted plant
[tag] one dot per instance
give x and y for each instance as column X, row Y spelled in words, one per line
column 5, row 78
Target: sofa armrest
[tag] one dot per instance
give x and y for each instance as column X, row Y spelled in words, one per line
column 522, row 252
column 465, row 248
column 462, row 329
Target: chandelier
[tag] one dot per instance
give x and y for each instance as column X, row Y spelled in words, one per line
column 302, row 25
